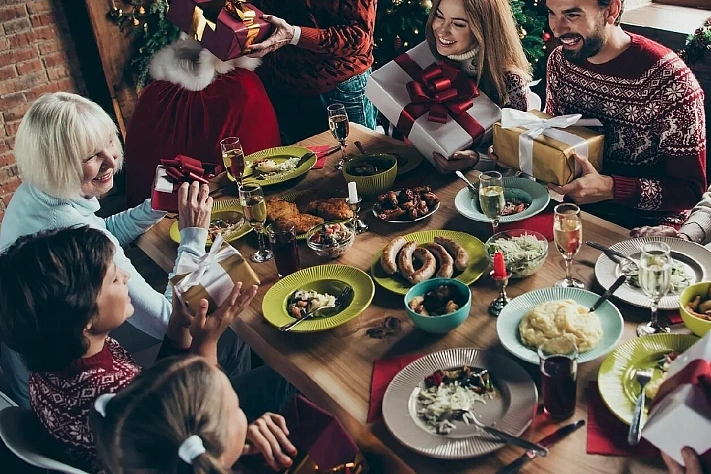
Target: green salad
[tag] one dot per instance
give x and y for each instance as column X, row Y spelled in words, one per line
column 522, row 254
column 678, row 280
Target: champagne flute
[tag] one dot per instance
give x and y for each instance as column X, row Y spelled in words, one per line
column 251, row 198
column 338, row 124
column 491, row 197
column 233, row 158
column 568, row 233
column 655, row 268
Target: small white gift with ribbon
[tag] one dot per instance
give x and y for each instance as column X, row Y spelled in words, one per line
column 212, row 276
column 564, row 136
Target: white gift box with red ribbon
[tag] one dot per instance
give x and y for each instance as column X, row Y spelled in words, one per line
column 681, row 413
column 434, row 104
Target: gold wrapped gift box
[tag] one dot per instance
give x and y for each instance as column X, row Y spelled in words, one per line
column 552, row 160
column 227, row 261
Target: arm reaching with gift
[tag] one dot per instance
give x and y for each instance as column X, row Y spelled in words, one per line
column 268, row 436
column 590, row 187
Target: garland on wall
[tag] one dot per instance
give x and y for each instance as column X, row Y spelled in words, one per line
column 697, row 44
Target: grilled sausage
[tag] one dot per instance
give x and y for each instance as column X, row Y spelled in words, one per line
column 428, row 268
column 404, row 259
column 388, row 259
column 460, row 256
column 445, row 262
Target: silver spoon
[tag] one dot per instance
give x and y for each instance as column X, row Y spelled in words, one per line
column 340, row 302
column 474, row 189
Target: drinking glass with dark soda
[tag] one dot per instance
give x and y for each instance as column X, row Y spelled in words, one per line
column 559, row 374
column 282, row 239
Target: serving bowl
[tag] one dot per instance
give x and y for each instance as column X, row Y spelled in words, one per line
column 318, row 239
column 373, row 184
column 442, row 323
column 520, row 266
column 695, row 324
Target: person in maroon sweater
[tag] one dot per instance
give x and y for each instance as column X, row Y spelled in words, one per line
column 651, row 108
column 320, row 53
column 194, row 101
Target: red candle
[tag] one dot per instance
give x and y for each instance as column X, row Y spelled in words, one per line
column 499, row 265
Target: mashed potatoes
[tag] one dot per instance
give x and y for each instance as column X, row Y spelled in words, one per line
column 564, row 318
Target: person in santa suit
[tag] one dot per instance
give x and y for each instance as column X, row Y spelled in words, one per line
column 194, row 101
column 651, row 107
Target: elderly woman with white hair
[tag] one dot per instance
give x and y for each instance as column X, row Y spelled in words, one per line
column 67, row 150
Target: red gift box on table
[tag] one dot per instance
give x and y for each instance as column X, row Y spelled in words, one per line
column 433, row 103
column 227, row 28
column 170, row 174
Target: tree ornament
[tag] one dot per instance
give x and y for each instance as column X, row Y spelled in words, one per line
column 546, row 36
column 397, row 43
column 426, row 4
column 522, row 32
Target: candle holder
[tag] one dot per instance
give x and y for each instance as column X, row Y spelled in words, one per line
column 358, row 224
column 498, row 304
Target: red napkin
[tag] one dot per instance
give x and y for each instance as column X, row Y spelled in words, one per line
column 384, row 370
column 674, row 317
column 542, row 223
column 321, row 156
column 607, row 435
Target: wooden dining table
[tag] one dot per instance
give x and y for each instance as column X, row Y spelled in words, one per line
column 333, row 368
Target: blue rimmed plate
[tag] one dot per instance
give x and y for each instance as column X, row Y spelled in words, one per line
column 468, row 206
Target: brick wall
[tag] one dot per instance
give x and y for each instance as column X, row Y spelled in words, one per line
column 37, row 55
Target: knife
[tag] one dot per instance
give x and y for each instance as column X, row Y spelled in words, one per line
column 613, row 255
column 547, row 442
column 305, row 158
column 606, row 295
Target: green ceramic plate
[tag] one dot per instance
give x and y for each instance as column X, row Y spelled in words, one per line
column 218, row 207
column 616, row 381
column 279, row 154
column 291, row 197
column 478, row 263
column 510, row 317
column 324, row 279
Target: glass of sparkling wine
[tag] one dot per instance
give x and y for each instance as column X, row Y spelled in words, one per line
column 251, row 198
column 568, row 233
column 655, row 267
column 233, row 158
column 491, row 196
column 338, row 124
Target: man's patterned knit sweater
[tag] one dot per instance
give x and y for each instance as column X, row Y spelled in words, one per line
column 652, row 110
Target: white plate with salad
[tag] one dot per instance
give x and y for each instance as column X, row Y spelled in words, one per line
column 424, row 406
column 692, row 264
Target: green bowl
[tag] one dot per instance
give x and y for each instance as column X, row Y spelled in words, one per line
column 446, row 322
column 377, row 183
column 696, row 325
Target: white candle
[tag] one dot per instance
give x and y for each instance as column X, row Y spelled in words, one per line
column 352, row 192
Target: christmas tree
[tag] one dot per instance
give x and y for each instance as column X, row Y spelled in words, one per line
column 400, row 25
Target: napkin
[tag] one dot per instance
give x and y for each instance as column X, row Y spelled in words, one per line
column 542, row 223
column 384, row 370
column 674, row 317
column 321, row 156
column 607, row 435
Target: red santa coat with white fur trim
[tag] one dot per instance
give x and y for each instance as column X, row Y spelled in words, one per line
column 189, row 110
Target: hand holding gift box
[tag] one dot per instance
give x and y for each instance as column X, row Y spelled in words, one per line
column 212, row 276
column 543, row 146
column 227, row 28
column 434, row 104
column 170, row 174
column 680, row 414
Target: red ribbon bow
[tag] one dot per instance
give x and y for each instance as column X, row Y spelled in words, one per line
column 441, row 90
column 183, row 169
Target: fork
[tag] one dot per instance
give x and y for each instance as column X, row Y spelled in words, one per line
column 529, row 446
column 345, row 295
column 635, row 433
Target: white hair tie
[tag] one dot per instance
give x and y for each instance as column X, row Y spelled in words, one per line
column 101, row 402
column 191, row 448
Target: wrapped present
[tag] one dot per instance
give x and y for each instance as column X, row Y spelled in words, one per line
column 681, row 410
column 170, row 174
column 212, row 276
column 543, row 147
column 434, row 104
column 324, row 445
column 227, row 28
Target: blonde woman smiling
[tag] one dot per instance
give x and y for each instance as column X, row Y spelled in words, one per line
column 481, row 37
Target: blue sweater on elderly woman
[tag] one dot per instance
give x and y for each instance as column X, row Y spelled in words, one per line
column 32, row 210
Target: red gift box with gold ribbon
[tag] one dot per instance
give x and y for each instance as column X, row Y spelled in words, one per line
column 227, row 28
column 170, row 174
column 433, row 103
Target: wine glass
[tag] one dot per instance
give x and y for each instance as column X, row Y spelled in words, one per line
column 233, row 158
column 491, row 197
column 338, row 123
column 655, row 268
column 251, row 198
column 568, row 233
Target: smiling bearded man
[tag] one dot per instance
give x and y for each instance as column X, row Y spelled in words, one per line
column 651, row 108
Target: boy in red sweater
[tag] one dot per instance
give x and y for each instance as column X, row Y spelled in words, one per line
column 651, row 108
